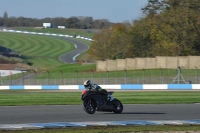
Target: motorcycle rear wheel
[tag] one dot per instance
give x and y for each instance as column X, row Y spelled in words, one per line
column 89, row 105
column 118, row 106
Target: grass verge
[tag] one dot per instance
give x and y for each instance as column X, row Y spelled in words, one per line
column 22, row 98
column 116, row 129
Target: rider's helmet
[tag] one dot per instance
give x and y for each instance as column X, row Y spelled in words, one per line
column 87, row 84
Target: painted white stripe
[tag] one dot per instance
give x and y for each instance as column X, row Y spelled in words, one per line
column 32, row 87
column 75, row 46
column 4, row 87
column 17, row 126
column 155, row 86
column 46, row 34
column 74, row 58
column 73, row 87
column 171, row 122
column 111, row 87
column 195, row 86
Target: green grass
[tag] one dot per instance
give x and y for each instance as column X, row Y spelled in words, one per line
column 113, row 129
column 19, row 98
column 42, row 51
column 81, row 32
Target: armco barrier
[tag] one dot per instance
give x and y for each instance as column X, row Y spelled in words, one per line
column 109, row 87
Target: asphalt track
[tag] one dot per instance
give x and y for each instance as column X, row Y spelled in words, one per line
column 75, row 113
column 79, row 48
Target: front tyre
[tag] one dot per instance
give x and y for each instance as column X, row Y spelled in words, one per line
column 118, row 106
column 89, row 105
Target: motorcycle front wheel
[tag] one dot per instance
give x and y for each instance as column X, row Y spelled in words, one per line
column 89, row 105
column 118, row 106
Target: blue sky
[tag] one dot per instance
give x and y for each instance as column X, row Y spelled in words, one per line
column 113, row 10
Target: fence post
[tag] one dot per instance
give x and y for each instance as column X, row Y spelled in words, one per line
column 160, row 75
column 115, row 77
column 11, row 79
column 151, row 77
column 125, row 81
column 47, row 77
column 108, row 76
column 76, row 77
column 197, row 75
column 0, row 79
column 92, row 75
column 35, row 77
column 179, row 72
column 143, row 75
column 22, row 77
column 62, row 77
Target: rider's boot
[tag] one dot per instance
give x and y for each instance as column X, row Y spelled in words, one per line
column 110, row 97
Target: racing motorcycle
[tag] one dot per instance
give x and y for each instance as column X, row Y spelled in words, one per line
column 95, row 101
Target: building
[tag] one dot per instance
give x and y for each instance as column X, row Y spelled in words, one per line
column 47, row 25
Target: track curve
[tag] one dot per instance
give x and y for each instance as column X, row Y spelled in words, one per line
column 75, row 113
column 69, row 57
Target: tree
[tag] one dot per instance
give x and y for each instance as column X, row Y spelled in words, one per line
column 141, row 43
column 1, row 21
column 100, row 48
column 120, row 40
column 173, row 28
column 180, row 20
column 5, row 16
column 153, row 7
column 72, row 22
column 111, row 43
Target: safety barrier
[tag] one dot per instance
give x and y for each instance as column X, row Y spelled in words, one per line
column 109, row 87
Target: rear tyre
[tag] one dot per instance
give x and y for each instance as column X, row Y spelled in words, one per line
column 89, row 105
column 118, row 106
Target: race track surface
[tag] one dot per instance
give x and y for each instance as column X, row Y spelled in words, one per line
column 79, row 48
column 75, row 113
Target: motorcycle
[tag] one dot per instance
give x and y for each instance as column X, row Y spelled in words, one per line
column 95, row 101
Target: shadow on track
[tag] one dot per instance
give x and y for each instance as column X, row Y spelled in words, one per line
column 147, row 113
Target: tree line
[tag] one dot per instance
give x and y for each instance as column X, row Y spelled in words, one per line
column 168, row 28
column 72, row 22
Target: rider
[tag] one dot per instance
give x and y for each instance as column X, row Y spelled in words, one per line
column 90, row 86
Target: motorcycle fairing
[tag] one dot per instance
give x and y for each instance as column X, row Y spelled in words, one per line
column 97, row 97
